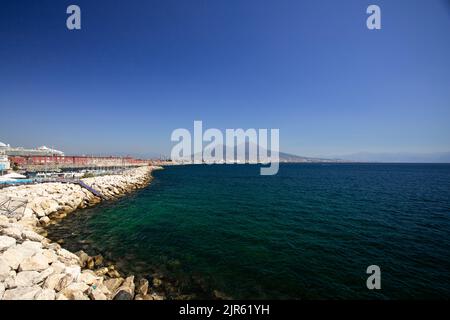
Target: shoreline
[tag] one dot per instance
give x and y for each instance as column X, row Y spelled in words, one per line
column 33, row 267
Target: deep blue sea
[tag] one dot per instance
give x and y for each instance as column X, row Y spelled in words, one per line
column 308, row 232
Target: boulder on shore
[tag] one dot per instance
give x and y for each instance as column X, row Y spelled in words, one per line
column 33, row 267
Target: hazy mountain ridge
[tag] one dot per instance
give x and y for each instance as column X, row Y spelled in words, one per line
column 283, row 157
column 405, row 157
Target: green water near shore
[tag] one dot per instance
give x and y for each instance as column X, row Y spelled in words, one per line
column 307, row 233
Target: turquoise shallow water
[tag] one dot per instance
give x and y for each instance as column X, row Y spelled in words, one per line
column 309, row 232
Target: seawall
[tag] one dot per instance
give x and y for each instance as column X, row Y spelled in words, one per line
column 33, row 267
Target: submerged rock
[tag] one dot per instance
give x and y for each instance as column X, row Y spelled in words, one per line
column 98, row 260
column 102, row 271
column 157, row 282
column 142, row 287
column 127, row 287
column 83, row 256
column 113, row 273
column 123, row 295
column 90, row 263
column 143, row 297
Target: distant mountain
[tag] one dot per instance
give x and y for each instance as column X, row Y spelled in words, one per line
column 384, row 157
column 283, row 157
column 407, row 157
column 286, row 157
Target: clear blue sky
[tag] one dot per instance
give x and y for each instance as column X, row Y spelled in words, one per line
column 139, row 69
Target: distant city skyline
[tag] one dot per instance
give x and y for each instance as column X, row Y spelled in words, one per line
column 392, row 157
column 136, row 71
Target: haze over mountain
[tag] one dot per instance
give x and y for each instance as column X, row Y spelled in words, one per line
column 389, row 157
column 393, row 157
column 408, row 157
column 283, row 157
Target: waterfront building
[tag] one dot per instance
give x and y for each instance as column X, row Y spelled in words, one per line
column 4, row 161
column 24, row 152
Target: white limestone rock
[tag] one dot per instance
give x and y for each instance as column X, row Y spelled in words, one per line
column 76, row 291
column 10, row 281
column 4, row 269
column 97, row 294
column 28, row 212
column 37, row 262
column 28, row 222
column 68, row 257
column 60, row 296
column 51, row 255
column 58, row 267
column 53, row 281
column 15, row 255
column 4, row 221
column 31, row 235
column 46, row 294
column 38, row 211
column 45, row 274
column 26, row 278
column 89, row 277
column 22, row 293
column 65, row 281
column 32, row 245
column 2, row 290
column 6, row 242
column 13, row 232
column 44, row 220
column 74, row 271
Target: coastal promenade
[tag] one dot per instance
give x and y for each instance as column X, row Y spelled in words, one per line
column 33, row 267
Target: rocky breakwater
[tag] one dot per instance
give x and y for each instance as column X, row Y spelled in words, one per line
column 33, row 267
